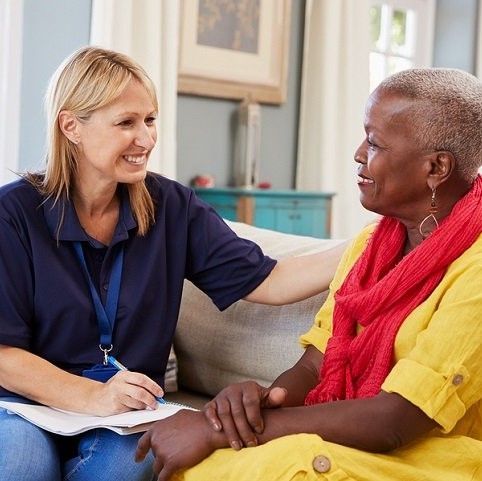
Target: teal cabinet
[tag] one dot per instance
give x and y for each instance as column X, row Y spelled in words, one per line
column 293, row 212
column 224, row 204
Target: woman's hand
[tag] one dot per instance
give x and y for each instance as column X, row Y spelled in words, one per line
column 236, row 410
column 55, row 387
column 125, row 391
column 178, row 442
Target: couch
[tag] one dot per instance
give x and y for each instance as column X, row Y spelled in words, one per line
column 247, row 340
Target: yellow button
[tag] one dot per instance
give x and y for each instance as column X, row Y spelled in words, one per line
column 457, row 379
column 321, row 464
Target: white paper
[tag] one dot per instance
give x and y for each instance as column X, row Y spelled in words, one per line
column 68, row 423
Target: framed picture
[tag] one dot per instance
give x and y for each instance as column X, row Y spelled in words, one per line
column 235, row 49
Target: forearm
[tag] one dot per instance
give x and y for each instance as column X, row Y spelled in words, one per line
column 297, row 278
column 301, row 378
column 37, row 379
column 373, row 424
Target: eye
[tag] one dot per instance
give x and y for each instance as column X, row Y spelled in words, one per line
column 371, row 144
column 150, row 120
column 126, row 123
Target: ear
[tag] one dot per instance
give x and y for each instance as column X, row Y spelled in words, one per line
column 68, row 124
column 442, row 165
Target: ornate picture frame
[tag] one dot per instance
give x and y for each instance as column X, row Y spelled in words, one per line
column 235, row 49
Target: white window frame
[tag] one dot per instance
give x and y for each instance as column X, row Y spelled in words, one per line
column 424, row 28
column 11, row 26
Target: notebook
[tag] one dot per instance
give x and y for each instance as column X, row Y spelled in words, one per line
column 67, row 423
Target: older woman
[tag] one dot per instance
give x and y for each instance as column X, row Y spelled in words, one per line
column 390, row 384
column 93, row 254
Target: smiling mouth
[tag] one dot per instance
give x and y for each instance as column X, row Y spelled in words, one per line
column 361, row 179
column 135, row 159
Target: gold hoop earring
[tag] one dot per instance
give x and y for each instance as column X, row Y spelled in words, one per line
column 429, row 223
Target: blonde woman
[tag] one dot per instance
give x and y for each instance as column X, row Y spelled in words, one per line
column 93, row 254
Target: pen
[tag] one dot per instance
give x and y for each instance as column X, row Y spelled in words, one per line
column 114, row 362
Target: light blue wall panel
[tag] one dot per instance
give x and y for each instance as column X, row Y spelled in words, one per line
column 206, row 127
column 52, row 30
column 456, row 34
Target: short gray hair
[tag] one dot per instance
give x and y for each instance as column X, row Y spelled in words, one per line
column 449, row 114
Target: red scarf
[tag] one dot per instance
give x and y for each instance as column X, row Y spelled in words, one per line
column 380, row 291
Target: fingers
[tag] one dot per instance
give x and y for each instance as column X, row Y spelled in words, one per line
column 210, row 411
column 166, row 473
column 178, row 442
column 143, row 446
column 252, row 401
column 247, row 419
column 157, row 466
column 227, row 423
column 240, row 414
column 135, row 390
column 237, row 410
column 276, row 397
column 141, row 380
column 223, row 407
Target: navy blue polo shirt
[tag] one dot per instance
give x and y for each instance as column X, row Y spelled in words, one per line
column 45, row 302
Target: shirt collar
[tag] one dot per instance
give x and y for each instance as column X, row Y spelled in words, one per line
column 70, row 228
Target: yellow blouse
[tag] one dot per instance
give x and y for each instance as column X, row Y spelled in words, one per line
column 438, row 349
column 438, row 354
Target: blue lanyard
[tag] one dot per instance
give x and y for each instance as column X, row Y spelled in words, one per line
column 105, row 315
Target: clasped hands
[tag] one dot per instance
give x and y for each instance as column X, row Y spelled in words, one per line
column 233, row 418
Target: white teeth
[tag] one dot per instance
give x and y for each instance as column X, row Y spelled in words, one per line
column 135, row 159
column 363, row 180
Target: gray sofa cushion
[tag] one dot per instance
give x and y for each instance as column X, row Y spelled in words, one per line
column 246, row 341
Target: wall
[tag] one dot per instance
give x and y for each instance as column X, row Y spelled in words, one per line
column 52, row 30
column 456, row 34
column 206, row 127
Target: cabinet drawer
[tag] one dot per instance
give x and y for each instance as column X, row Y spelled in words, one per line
column 301, row 220
column 289, row 203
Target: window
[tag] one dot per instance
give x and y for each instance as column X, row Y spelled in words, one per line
column 10, row 66
column 401, row 34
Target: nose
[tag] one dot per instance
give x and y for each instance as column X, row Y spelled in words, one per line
column 361, row 153
column 146, row 137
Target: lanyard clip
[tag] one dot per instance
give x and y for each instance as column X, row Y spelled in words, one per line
column 106, row 351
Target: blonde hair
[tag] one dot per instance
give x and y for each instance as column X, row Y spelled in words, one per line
column 447, row 114
column 89, row 79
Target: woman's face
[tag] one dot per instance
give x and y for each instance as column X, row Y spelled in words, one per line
column 116, row 141
column 393, row 169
